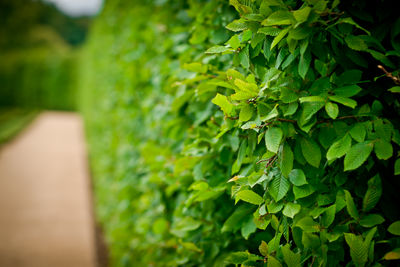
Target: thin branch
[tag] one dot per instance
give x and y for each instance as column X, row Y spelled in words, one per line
column 286, row 120
column 395, row 79
column 341, row 118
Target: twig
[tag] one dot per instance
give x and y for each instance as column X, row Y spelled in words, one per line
column 395, row 79
column 271, row 161
column 263, row 125
column 340, row 118
column 286, row 120
column 312, row 262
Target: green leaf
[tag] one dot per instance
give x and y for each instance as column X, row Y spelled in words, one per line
column 395, row 89
column 307, row 224
column 394, row 228
column 339, row 148
column 291, row 209
column 304, row 64
column 279, row 37
column 358, row 249
column 328, row 216
column 291, row 259
column 274, row 207
column 303, row 191
column 248, row 228
column 397, row 167
column 286, row 160
column 244, row 57
column 272, row 262
column 310, row 241
column 358, row 132
column 191, row 246
column 246, row 112
column 236, row 219
column 301, row 15
column 348, row 102
column 247, row 87
column 350, row 21
column 195, row 67
column 279, row 187
column 241, row 154
column 393, row 255
column 279, row 17
column 383, row 130
column 263, row 248
column 223, row 102
column 371, row 220
column 249, row 196
column 373, row 193
column 357, row 155
column 309, row 109
column 241, row 257
column 217, row 49
column 348, row 91
column 237, row 25
column 356, row 43
column 383, row 150
column 272, row 114
column 351, row 207
column 234, row 42
column 332, row 110
column 312, row 99
column 311, row 152
column 297, row 177
column 273, row 138
column 270, row 31
column 184, row 225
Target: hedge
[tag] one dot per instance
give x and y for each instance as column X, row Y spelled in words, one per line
column 42, row 77
column 254, row 132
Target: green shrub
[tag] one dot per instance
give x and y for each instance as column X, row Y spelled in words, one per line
column 256, row 133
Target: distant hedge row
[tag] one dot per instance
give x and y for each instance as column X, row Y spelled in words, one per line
column 38, row 78
column 252, row 132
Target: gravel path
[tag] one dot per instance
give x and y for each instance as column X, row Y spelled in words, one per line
column 45, row 197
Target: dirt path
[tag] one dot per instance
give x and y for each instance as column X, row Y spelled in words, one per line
column 45, row 203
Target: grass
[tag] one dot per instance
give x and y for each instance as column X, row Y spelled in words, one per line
column 12, row 121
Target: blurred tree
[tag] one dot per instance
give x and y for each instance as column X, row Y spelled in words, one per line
column 20, row 18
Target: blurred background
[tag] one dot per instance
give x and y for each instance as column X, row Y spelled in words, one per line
column 40, row 42
column 46, row 213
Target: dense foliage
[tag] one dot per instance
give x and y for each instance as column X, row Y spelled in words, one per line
column 254, row 132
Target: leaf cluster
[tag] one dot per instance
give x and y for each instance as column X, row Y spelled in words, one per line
column 258, row 132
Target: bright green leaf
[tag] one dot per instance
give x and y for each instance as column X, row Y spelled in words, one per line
column 351, row 207
column 394, row 228
column 297, row 177
column 332, row 110
column 383, row 150
column 279, row 187
column 291, row 209
column 357, row 155
column 339, row 148
column 291, row 259
column 348, row 102
column 249, row 196
column 223, row 102
column 273, row 138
